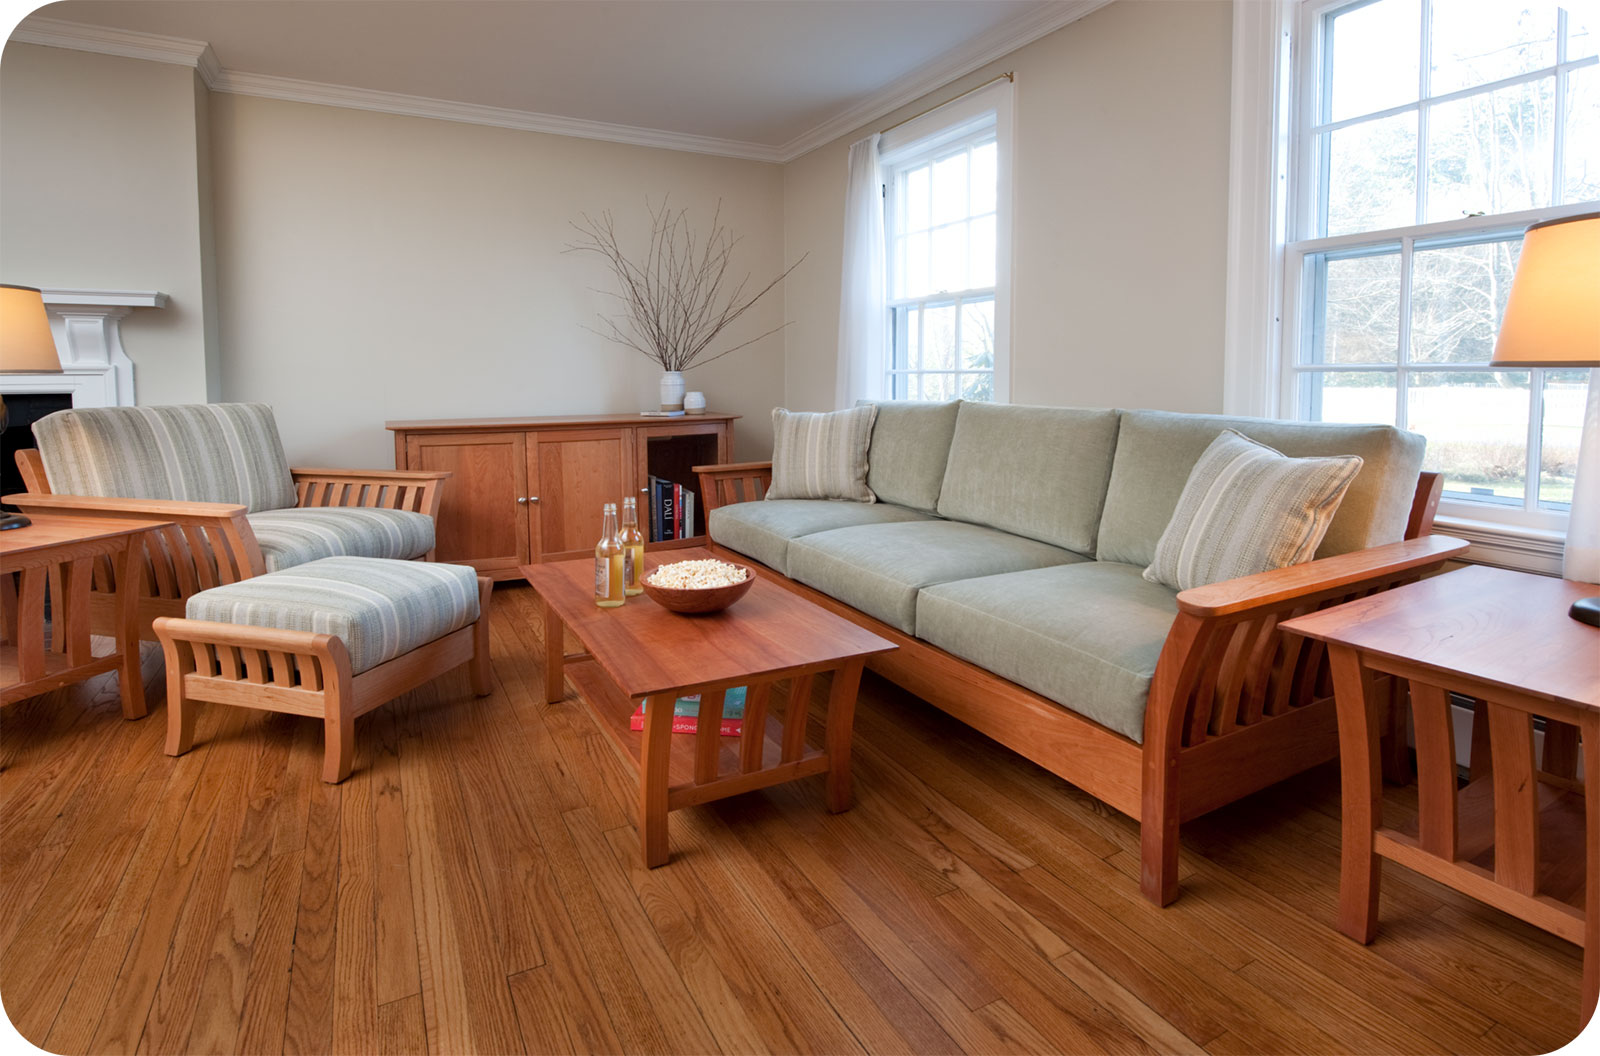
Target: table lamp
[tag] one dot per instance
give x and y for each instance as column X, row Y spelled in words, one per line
column 26, row 347
column 1553, row 320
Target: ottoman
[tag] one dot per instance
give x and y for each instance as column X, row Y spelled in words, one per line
column 332, row 638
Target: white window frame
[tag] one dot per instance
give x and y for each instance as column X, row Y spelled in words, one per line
column 967, row 121
column 1272, row 198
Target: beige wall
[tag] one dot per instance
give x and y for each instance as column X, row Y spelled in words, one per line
column 380, row 267
column 1120, row 240
column 100, row 188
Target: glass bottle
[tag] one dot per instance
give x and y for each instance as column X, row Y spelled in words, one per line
column 608, row 571
column 632, row 541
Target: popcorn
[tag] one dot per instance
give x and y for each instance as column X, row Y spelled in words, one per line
column 697, row 575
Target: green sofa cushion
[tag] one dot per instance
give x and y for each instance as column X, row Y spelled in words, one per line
column 880, row 568
column 1040, row 472
column 910, row 446
column 1156, row 450
column 763, row 530
column 1085, row 635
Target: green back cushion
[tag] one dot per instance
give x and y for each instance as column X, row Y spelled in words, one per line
column 910, row 446
column 1039, row 472
column 205, row 452
column 1156, row 450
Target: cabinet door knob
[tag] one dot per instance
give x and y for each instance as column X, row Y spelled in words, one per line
column 533, row 498
column 522, row 500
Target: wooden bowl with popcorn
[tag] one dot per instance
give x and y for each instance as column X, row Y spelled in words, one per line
column 694, row 588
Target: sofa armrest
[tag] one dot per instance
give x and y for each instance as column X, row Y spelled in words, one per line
column 1307, row 582
column 151, row 509
column 418, row 491
column 204, row 543
column 731, row 482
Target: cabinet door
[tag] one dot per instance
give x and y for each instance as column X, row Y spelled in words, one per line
column 483, row 518
column 577, row 473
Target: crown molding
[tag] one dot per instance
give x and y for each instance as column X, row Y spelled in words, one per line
column 298, row 91
column 128, row 43
column 952, row 65
column 198, row 55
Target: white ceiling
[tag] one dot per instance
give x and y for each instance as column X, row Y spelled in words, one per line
column 768, row 73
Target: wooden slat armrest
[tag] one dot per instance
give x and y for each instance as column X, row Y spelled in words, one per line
column 97, row 506
column 733, row 469
column 1314, row 577
column 379, row 475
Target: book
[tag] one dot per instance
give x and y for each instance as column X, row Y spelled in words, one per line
column 669, row 510
column 654, row 512
column 677, row 511
column 661, row 414
column 688, row 515
column 686, row 714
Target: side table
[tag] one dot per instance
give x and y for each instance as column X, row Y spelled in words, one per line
column 1521, row 836
column 61, row 557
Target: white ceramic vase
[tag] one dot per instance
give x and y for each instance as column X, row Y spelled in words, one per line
column 694, row 403
column 672, row 391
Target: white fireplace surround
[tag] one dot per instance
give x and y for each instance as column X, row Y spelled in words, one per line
column 95, row 370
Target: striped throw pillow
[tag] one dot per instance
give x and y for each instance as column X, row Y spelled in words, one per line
column 1246, row 509
column 821, row 456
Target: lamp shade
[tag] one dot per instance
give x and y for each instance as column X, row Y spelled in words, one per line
column 1553, row 314
column 26, row 346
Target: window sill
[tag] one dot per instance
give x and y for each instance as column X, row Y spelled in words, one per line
column 1505, row 546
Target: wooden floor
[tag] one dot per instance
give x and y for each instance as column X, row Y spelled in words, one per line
column 475, row 887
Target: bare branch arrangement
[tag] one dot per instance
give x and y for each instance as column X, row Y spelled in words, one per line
column 680, row 296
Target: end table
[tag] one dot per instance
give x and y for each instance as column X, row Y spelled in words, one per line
column 1522, row 836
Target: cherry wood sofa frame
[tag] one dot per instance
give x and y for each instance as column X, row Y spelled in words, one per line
column 207, row 544
column 1235, row 704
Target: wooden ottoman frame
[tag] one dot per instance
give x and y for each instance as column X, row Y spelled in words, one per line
column 304, row 673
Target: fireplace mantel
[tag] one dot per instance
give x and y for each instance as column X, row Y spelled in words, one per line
column 86, row 324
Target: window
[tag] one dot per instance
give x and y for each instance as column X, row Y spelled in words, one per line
column 946, row 220
column 1429, row 135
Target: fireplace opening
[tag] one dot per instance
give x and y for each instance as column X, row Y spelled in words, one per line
column 22, row 410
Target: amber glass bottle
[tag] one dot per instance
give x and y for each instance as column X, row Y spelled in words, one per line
column 632, row 541
column 608, row 570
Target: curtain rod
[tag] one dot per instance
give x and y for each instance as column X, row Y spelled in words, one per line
column 1007, row 76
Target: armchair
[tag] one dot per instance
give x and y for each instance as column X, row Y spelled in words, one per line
column 233, row 508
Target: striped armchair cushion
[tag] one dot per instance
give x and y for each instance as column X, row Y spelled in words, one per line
column 378, row 609
column 294, row 537
column 207, row 452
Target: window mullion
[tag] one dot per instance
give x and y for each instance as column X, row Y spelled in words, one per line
column 1402, row 374
column 1424, row 84
column 1558, row 161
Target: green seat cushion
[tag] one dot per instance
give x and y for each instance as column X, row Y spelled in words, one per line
column 379, row 609
column 1156, row 451
column 1034, row 471
column 763, row 530
column 879, row 568
column 294, row 536
column 909, row 449
column 1086, row 635
column 204, row 452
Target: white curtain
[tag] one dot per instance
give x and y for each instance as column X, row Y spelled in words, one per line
column 862, row 365
column 1583, row 530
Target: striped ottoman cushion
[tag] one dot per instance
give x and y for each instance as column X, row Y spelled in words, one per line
column 293, row 537
column 380, row 609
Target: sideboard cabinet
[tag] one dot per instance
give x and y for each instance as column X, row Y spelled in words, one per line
column 531, row 489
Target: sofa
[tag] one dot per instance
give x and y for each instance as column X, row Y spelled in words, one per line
column 1005, row 553
column 216, row 474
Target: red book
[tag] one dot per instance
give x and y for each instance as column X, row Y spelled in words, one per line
column 689, row 724
column 677, row 511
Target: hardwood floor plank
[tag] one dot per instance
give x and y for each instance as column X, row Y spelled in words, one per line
column 395, row 937
column 355, row 969
column 308, row 1020
column 266, row 987
column 400, row 1028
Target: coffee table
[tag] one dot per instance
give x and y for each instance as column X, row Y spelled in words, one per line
column 641, row 652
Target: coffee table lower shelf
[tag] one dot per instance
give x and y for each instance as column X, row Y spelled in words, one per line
column 615, row 711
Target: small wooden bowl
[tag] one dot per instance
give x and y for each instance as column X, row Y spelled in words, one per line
column 702, row 600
